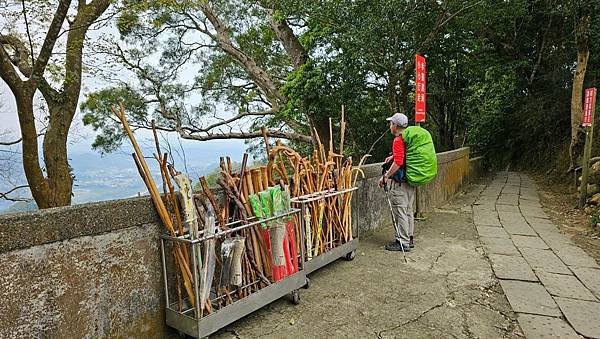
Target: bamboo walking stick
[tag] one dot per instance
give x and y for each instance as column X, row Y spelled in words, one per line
column 264, row 177
column 342, row 132
column 248, row 177
column 158, row 203
column 257, row 182
column 330, row 137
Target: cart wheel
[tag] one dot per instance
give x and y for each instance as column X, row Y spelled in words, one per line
column 307, row 284
column 350, row 256
column 183, row 335
column 295, row 297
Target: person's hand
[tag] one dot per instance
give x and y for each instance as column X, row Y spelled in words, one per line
column 382, row 182
column 388, row 159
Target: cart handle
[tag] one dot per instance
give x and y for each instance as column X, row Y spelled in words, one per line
column 185, row 239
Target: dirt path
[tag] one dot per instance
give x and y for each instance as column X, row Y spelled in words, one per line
column 558, row 202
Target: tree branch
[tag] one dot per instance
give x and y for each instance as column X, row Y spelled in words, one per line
column 237, row 117
column 7, row 70
column 5, row 194
column 260, row 76
column 288, row 39
column 433, row 33
column 245, row 135
column 9, row 143
column 27, row 30
column 20, row 60
column 51, row 36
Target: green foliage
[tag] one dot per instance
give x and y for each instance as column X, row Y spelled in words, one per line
column 97, row 113
column 487, row 107
column 305, row 88
column 595, row 218
column 499, row 72
column 127, row 22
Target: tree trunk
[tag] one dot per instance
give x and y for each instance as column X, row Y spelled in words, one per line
column 223, row 38
column 583, row 54
column 321, row 126
column 393, row 100
column 59, row 178
column 289, row 40
column 55, row 188
column 31, row 163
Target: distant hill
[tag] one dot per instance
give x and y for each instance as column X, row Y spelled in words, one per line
column 114, row 176
column 21, row 206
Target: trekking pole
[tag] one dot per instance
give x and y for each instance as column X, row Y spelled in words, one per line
column 386, row 190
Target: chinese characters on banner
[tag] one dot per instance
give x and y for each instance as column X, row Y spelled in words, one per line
column 588, row 106
column 420, row 89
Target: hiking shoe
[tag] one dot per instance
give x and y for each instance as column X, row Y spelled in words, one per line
column 395, row 246
column 411, row 243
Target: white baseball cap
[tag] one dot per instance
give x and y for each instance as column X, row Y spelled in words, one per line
column 399, row 119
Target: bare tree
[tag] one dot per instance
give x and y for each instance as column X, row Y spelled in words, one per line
column 26, row 72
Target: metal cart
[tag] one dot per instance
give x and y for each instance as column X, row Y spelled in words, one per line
column 187, row 321
column 346, row 250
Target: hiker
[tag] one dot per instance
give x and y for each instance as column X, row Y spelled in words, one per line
column 401, row 194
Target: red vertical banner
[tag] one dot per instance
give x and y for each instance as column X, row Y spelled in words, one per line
column 589, row 105
column 420, row 88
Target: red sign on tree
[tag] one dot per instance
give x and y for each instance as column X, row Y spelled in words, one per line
column 589, row 105
column 420, row 89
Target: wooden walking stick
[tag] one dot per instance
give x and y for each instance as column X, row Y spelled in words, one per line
column 264, row 177
column 342, row 132
column 263, row 130
column 156, row 199
column 172, row 196
column 229, row 165
column 257, row 182
column 213, row 201
column 330, row 137
column 248, row 177
column 206, row 267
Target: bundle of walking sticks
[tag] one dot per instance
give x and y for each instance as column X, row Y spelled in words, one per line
column 328, row 221
column 231, row 263
column 222, row 261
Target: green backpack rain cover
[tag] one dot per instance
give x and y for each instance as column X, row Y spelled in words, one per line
column 421, row 160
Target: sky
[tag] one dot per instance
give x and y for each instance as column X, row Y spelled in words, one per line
column 8, row 116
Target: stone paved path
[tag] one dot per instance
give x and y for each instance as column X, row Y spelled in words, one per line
column 552, row 285
column 447, row 289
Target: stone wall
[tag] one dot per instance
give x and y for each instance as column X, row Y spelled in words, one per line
column 85, row 271
column 370, row 205
column 93, row 270
column 453, row 172
column 477, row 167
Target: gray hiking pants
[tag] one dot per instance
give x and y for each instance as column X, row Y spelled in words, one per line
column 402, row 197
